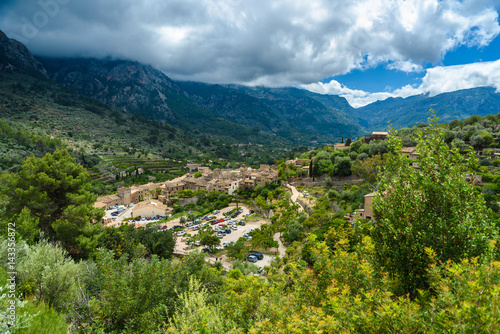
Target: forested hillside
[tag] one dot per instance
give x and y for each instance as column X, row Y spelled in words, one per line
column 398, row 275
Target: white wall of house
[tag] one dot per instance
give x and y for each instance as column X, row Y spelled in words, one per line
column 148, row 211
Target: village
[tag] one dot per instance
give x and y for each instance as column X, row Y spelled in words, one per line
column 198, row 178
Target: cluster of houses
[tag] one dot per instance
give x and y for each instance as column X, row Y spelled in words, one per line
column 224, row 180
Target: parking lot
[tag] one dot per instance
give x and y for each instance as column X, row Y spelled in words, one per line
column 182, row 247
column 116, row 214
column 190, row 231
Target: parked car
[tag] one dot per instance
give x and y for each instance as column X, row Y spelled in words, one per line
column 259, row 256
column 216, row 212
column 234, row 227
column 242, row 223
column 197, row 243
column 181, row 233
column 251, row 258
column 220, row 235
column 228, row 231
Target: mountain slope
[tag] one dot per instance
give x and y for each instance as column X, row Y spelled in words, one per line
column 15, row 54
column 415, row 109
column 288, row 112
column 141, row 89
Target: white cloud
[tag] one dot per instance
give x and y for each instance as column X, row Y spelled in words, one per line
column 405, row 66
column 447, row 79
column 276, row 43
column 437, row 80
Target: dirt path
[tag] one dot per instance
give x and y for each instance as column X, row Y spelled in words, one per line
column 281, row 248
column 295, row 196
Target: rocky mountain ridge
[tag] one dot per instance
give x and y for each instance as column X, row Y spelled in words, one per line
column 293, row 114
column 15, row 54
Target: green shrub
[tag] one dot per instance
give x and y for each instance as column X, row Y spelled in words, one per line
column 46, row 320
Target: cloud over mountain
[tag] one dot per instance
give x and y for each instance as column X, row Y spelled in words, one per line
column 437, row 80
column 259, row 42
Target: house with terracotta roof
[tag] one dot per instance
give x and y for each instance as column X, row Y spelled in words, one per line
column 376, row 135
column 151, row 208
column 410, row 152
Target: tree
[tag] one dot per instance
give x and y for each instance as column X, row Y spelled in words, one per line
column 311, row 169
column 51, row 274
column 368, row 168
column 182, row 220
column 348, row 141
column 328, row 182
column 433, row 207
column 210, row 241
column 160, row 243
column 342, row 167
column 237, row 250
column 197, row 315
column 55, row 189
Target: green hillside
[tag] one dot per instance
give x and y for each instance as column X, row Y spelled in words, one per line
column 40, row 116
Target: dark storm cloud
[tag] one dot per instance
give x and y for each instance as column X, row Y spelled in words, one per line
column 253, row 42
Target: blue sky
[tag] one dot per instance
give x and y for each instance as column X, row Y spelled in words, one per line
column 381, row 78
column 363, row 50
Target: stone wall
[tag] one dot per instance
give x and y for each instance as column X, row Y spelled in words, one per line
column 186, row 201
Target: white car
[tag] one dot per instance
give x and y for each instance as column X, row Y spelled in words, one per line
column 234, row 227
column 197, row 243
column 181, row 233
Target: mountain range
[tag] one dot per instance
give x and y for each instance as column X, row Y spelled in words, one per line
column 294, row 115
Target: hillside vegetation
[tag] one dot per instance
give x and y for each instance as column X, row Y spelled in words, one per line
column 333, row 277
